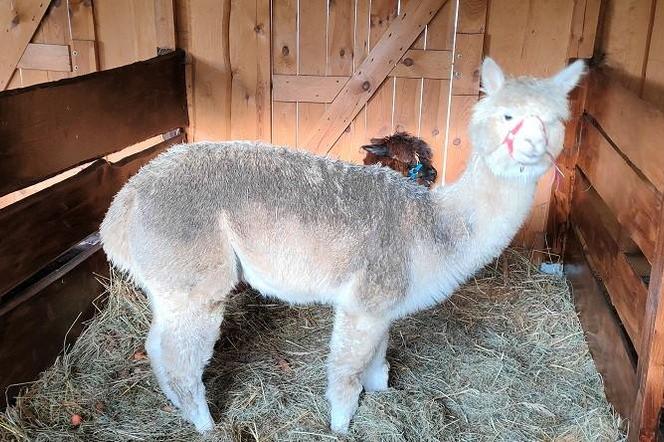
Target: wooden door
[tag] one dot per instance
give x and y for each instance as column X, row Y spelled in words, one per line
column 320, row 47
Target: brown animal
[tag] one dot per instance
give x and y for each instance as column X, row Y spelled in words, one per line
column 409, row 155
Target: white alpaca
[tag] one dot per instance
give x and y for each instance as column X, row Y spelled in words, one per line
column 202, row 217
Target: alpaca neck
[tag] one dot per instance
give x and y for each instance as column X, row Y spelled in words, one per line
column 493, row 207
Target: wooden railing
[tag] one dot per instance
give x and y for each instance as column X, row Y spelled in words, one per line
column 616, row 215
column 46, row 264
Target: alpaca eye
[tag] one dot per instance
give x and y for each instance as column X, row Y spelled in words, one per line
column 507, row 117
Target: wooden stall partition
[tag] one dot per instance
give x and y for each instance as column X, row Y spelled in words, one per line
column 49, row 255
column 616, row 215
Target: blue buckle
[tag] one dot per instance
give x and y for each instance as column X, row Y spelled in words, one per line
column 413, row 171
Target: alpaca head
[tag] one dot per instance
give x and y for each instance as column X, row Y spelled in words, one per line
column 517, row 127
column 407, row 154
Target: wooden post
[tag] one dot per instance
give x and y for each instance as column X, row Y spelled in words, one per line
column 650, row 396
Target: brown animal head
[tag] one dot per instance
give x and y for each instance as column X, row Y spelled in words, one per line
column 409, row 155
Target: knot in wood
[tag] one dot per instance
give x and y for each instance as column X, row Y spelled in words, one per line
column 408, row 61
column 285, row 51
column 366, row 86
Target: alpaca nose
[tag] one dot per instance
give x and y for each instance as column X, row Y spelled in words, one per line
column 537, row 145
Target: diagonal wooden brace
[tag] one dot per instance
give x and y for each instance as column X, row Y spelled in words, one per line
column 377, row 65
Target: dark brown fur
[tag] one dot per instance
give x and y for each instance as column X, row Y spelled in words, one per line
column 401, row 151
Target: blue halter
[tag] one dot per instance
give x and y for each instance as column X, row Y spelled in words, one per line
column 413, row 171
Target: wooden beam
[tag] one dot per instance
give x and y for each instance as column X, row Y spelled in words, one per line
column 40, row 227
column 45, row 57
column 607, row 341
column 18, row 23
column 88, row 117
column 307, row 88
column 631, row 199
column 164, row 21
column 418, row 63
column 592, row 223
column 632, row 124
column 585, row 19
column 396, row 40
column 469, row 49
column 650, row 397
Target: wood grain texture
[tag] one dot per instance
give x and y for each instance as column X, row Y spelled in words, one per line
column 633, row 124
column 249, row 48
column 627, row 291
column 418, row 63
column 468, row 58
column 608, row 344
column 33, row 333
column 77, row 110
column 632, row 199
column 164, row 13
column 653, row 83
column 42, row 226
column 458, row 147
column 312, row 60
column 585, row 21
column 644, row 423
column 309, row 88
column 399, row 35
column 202, row 31
column 284, row 61
column 435, row 98
column 472, row 16
column 45, row 57
column 624, row 39
column 18, row 23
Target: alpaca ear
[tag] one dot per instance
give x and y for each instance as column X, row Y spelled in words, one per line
column 569, row 77
column 376, row 149
column 492, row 76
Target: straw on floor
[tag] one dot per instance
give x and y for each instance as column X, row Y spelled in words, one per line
column 503, row 360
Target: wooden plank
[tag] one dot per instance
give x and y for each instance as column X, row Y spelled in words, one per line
column 418, row 63
column 558, row 225
column 312, row 59
column 468, row 58
column 55, row 30
column 33, row 332
column 284, row 61
column 624, row 39
column 626, row 289
column 309, row 88
column 633, row 200
column 585, row 20
column 19, row 21
column 165, row 25
column 400, row 34
column 125, row 31
column 43, row 225
column 249, row 49
column 380, row 105
column 459, row 148
column 46, row 57
column 407, row 105
column 83, row 57
column 435, row 99
column 340, row 29
column 634, row 125
column 203, row 30
column 653, row 83
column 472, row 16
column 81, row 20
column 610, row 347
column 647, row 410
column 77, row 110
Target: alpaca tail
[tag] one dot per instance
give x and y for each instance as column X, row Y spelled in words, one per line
column 114, row 230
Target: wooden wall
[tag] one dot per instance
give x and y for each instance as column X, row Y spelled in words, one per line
column 632, row 39
column 231, row 61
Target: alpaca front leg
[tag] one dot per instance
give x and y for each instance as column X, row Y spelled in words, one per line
column 355, row 340
column 376, row 375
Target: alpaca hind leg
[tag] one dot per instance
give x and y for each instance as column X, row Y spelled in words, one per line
column 355, row 339
column 376, row 375
column 180, row 344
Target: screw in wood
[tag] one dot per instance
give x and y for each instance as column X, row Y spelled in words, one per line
column 366, row 86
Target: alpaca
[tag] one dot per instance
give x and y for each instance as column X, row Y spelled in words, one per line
column 409, row 155
column 202, row 217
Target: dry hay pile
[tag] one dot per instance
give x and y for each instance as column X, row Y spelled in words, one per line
column 503, row 360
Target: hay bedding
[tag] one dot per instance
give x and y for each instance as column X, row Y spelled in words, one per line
column 503, row 360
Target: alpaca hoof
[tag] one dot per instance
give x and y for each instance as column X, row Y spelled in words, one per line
column 339, row 424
